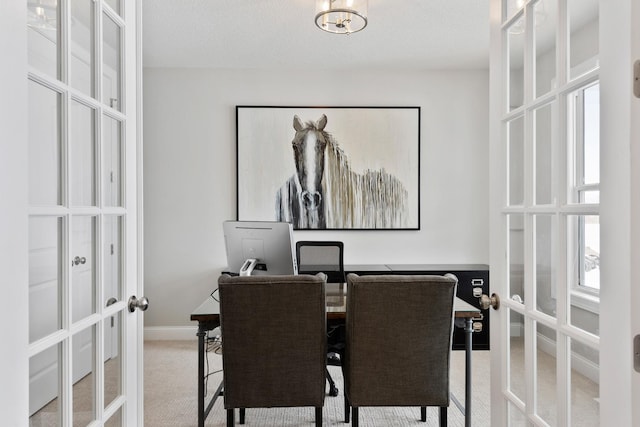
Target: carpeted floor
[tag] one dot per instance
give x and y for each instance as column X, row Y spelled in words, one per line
column 171, row 394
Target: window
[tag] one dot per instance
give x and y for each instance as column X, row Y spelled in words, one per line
column 585, row 186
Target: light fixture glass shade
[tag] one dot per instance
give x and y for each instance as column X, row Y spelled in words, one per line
column 341, row 16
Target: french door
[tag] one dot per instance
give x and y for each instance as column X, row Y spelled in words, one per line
column 83, row 213
column 562, row 194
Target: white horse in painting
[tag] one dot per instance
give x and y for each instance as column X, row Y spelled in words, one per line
column 325, row 193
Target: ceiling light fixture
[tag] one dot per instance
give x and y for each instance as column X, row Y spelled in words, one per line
column 42, row 14
column 341, row 16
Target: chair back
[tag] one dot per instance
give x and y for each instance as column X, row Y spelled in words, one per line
column 398, row 332
column 322, row 256
column 274, row 340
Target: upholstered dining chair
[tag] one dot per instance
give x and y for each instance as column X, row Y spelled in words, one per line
column 398, row 342
column 274, row 342
column 326, row 256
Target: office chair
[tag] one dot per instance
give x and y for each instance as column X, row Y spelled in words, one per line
column 274, row 331
column 398, row 332
column 327, row 257
column 322, row 256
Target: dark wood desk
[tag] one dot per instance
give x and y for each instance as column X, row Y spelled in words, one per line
column 208, row 317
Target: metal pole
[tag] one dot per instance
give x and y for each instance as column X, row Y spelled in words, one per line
column 201, row 335
column 468, row 331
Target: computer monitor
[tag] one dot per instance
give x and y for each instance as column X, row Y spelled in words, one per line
column 260, row 248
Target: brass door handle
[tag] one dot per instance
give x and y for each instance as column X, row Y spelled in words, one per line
column 486, row 301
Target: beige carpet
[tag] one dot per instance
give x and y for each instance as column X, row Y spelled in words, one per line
column 171, row 394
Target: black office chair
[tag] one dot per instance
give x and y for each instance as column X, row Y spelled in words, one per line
column 327, row 257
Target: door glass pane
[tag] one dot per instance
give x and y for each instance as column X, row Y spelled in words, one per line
column 589, row 238
column 545, row 12
column 516, row 257
column 543, row 155
column 45, row 276
column 512, row 6
column 115, row 5
column 81, row 62
column 585, row 391
column 42, row 36
column 83, row 276
column 112, row 358
column 515, row 38
column 583, row 318
column 44, row 146
column 545, row 366
column 585, row 135
column 516, row 374
column 112, row 155
column 584, row 271
column 115, row 420
column 84, row 376
column 516, row 161
column 583, row 36
column 584, row 251
column 45, row 385
column 82, row 154
column 111, row 74
column 545, row 265
column 112, row 254
column 516, row 417
column 591, row 132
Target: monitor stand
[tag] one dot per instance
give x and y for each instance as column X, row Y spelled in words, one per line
column 248, row 266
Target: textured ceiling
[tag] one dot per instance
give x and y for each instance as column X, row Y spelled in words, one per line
column 281, row 34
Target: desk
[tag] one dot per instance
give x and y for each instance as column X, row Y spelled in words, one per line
column 473, row 281
column 208, row 317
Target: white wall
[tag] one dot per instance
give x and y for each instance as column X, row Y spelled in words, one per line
column 190, row 170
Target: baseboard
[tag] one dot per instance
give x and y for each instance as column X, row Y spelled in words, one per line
column 170, row 333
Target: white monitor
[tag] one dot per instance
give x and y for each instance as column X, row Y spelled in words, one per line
column 260, row 248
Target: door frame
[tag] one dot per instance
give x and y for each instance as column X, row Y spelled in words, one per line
column 620, row 211
column 14, row 315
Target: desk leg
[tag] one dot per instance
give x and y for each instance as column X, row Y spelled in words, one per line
column 468, row 333
column 201, row 336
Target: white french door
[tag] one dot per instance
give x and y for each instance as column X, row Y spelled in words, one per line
column 561, row 189
column 83, row 212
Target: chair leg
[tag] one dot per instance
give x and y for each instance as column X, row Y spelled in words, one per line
column 230, row 416
column 443, row 416
column 242, row 414
column 319, row 416
column 354, row 417
column 347, row 409
column 423, row 414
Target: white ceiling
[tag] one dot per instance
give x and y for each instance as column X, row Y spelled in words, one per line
column 281, row 34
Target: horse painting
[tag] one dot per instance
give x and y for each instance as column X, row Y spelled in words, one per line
column 325, row 193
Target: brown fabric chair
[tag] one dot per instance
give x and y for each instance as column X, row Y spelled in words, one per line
column 398, row 332
column 274, row 342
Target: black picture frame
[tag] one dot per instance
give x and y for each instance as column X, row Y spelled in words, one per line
column 370, row 172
